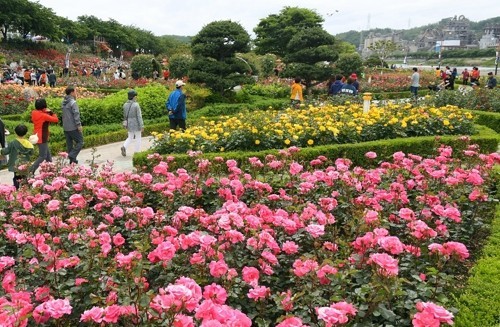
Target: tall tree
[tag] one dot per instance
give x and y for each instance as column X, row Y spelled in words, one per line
column 275, row 31
column 310, row 54
column 215, row 63
column 11, row 15
column 296, row 35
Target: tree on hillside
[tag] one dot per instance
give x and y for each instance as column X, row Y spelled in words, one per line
column 296, row 35
column 215, row 63
column 275, row 31
column 383, row 49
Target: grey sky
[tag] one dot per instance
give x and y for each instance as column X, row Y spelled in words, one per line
column 188, row 17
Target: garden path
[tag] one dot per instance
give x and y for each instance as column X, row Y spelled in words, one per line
column 103, row 153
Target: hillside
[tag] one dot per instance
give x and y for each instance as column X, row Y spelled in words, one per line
column 353, row 37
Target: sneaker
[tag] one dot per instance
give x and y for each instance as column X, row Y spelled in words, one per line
column 124, row 151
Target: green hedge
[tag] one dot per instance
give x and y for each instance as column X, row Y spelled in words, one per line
column 479, row 304
column 110, row 109
column 486, row 138
column 489, row 119
column 234, row 108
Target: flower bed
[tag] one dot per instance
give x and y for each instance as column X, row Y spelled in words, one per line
column 261, row 130
column 286, row 243
column 393, row 81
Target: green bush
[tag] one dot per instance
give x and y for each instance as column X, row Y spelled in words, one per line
column 110, row 109
column 143, row 64
column 480, row 302
column 489, row 119
column 478, row 99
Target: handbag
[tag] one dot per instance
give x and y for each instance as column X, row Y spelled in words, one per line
column 125, row 121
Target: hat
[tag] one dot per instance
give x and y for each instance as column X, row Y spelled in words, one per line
column 179, row 83
column 490, row 73
column 354, row 76
column 132, row 94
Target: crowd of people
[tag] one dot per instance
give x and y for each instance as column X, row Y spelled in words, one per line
column 448, row 78
column 20, row 150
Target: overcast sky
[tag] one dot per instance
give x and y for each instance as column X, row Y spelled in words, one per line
column 189, row 16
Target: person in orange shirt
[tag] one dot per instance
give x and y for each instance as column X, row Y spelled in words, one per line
column 27, row 76
column 296, row 95
column 474, row 76
column 41, row 118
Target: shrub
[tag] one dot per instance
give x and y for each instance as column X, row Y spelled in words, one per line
column 310, row 240
column 143, row 64
column 478, row 305
column 258, row 130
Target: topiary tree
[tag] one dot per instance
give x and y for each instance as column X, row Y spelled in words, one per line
column 214, row 49
column 296, row 35
column 143, row 64
column 349, row 63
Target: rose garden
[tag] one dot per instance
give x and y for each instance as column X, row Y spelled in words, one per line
column 259, row 214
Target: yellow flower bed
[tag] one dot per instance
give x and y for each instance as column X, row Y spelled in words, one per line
column 258, row 130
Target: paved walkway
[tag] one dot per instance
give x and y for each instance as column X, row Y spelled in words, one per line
column 103, row 153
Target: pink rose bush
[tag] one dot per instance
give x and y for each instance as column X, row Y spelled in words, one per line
column 282, row 243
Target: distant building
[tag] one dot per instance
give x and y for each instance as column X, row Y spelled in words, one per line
column 491, row 37
column 455, row 34
column 372, row 38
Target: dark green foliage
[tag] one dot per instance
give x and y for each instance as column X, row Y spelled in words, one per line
column 274, row 32
column 144, row 65
column 349, row 63
column 215, row 63
column 179, row 65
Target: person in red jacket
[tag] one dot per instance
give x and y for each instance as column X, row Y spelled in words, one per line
column 41, row 118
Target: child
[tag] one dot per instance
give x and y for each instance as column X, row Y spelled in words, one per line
column 20, row 151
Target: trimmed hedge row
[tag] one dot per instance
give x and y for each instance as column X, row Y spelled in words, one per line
column 479, row 304
column 486, row 138
column 489, row 119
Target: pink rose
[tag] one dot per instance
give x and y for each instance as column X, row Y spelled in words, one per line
column 315, row 230
column 118, row 239
column 371, row 155
column 387, row 265
column 218, row 268
column 53, row 205
column 251, row 275
column 259, row 292
column 95, row 314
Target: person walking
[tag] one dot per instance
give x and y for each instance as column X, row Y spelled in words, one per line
column 296, row 94
column 72, row 124
column 41, row 118
column 176, row 107
column 415, row 82
column 135, row 125
column 20, row 151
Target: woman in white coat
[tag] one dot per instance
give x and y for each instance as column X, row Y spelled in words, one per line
column 135, row 125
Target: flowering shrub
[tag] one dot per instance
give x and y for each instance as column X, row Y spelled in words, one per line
column 316, row 125
column 284, row 244
column 394, row 81
column 12, row 101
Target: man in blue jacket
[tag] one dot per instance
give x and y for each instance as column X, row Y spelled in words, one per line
column 176, row 107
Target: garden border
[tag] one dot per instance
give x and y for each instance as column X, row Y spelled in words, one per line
column 487, row 139
column 478, row 304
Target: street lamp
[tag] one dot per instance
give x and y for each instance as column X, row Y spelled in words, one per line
column 497, row 57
